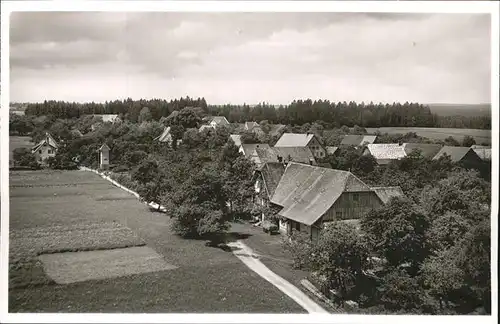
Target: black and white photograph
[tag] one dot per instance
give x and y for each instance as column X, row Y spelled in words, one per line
column 249, row 161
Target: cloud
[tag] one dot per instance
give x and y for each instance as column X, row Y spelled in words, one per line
column 251, row 57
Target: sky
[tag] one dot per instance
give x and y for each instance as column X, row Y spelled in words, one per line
column 250, row 57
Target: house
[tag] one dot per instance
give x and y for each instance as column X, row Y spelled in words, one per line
column 330, row 150
column 283, row 155
column 458, row 154
column 218, row 121
column 249, row 126
column 276, row 129
column 484, row 152
column 104, row 156
column 385, row 153
column 166, row 137
column 302, row 140
column 236, row 139
column 266, row 179
column 358, row 140
column 426, row 150
column 386, row 193
column 248, row 149
column 204, row 127
column 45, row 149
column 106, row 118
column 312, row 196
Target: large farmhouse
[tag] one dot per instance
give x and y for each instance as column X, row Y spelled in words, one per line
column 311, row 197
column 302, row 140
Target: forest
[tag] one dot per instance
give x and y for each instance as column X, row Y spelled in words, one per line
column 298, row 112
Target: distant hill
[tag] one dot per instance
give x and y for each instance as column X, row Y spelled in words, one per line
column 466, row 110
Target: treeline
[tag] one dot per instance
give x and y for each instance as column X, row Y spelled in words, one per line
column 127, row 109
column 298, row 112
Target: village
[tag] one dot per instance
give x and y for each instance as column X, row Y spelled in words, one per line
column 287, row 185
column 249, row 162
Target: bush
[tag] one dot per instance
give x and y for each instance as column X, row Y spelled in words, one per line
column 24, row 158
column 300, row 247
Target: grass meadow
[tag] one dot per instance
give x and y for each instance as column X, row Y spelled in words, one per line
column 480, row 135
column 65, row 211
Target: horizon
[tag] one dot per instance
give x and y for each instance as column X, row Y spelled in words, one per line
column 232, row 58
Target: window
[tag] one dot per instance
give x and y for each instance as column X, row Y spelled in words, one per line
column 50, row 151
column 40, row 152
column 355, row 197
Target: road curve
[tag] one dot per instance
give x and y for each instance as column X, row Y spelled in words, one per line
column 246, row 255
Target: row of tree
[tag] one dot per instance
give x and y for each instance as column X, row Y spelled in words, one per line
column 298, row 112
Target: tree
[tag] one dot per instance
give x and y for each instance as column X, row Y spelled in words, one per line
column 451, row 141
column 400, row 291
column 146, row 171
column 446, row 230
column 398, row 232
column 177, row 131
column 24, row 158
column 341, row 256
column 468, row 141
column 249, row 137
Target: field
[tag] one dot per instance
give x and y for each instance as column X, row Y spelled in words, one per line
column 480, row 135
column 108, row 253
column 461, row 109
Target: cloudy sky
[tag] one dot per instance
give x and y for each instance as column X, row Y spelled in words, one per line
column 250, row 57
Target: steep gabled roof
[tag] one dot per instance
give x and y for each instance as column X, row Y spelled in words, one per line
column 203, row 127
column 236, row 139
column 483, row 153
column 104, row 147
column 294, row 140
column 427, row 150
column 164, row 137
column 386, row 193
column 49, row 140
column 250, row 125
column 271, row 174
column 306, row 192
column 386, row 151
column 331, row 149
column 456, row 153
column 248, row 149
column 220, row 120
column 357, row 140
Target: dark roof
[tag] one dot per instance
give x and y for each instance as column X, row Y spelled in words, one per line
column 248, row 149
column 272, row 173
column 306, row 192
column 386, row 193
column 275, row 129
column 456, row 153
column 427, row 150
column 357, row 140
